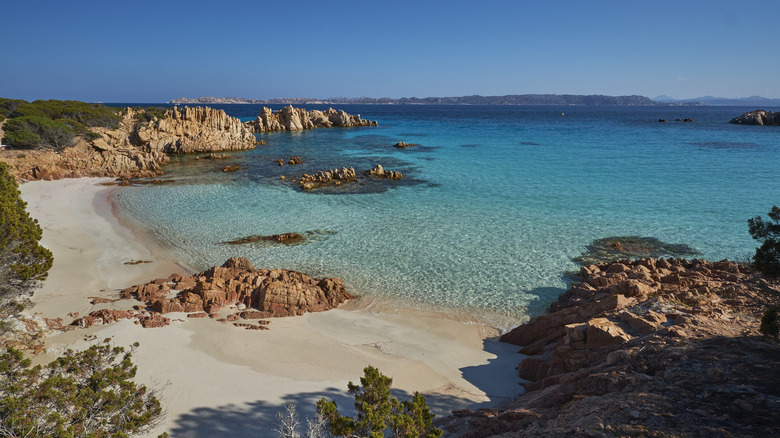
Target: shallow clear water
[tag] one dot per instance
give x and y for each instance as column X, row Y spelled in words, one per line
column 494, row 204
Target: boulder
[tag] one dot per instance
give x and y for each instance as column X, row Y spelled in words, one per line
column 757, row 117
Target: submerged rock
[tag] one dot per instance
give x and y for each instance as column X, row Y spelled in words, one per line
column 403, row 145
column 286, row 238
column 631, row 248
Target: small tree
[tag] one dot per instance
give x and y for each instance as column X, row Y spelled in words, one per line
column 376, row 410
column 22, row 259
column 767, row 258
column 88, row 393
column 770, row 322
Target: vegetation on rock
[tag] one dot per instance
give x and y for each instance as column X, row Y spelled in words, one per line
column 88, row 393
column 53, row 124
column 377, row 410
column 767, row 258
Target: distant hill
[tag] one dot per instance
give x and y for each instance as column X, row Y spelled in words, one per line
column 756, row 101
column 516, row 99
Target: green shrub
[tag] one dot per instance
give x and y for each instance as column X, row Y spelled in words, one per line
column 88, row 114
column 770, row 323
column 22, row 258
column 81, row 394
column 34, row 132
column 376, row 410
column 7, row 106
column 767, row 257
column 91, row 135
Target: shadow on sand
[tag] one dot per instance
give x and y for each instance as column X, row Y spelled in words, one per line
column 497, row 379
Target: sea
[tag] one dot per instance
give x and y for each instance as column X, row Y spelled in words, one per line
column 495, row 203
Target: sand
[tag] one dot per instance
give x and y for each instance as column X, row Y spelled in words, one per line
column 219, row 380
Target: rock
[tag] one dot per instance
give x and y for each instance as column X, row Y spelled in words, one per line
column 327, row 177
column 380, row 172
column 295, row 160
column 758, row 117
column 271, row 293
column 402, row 145
column 154, row 320
column 286, row 238
column 631, row 247
column 290, row 118
column 133, row 150
column 602, row 332
column 232, row 168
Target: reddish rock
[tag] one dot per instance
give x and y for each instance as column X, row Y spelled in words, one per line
column 271, row 293
column 154, row 320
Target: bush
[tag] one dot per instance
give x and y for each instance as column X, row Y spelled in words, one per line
column 7, row 106
column 770, row 323
column 87, row 114
column 35, row 132
column 81, row 394
column 22, row 259
column 376, row 410
column 767, row 257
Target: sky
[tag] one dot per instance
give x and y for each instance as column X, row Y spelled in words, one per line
column 155, row 51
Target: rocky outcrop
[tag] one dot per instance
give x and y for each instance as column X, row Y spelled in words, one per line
column 379, row 172
column 758, row 117
column 134, row 148
column 327, row 177
column 650, row 347
column 290, row 118
column 271, row 293
column 404, row 145
column 200, row 129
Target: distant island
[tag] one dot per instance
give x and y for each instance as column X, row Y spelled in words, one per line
column 512, row 99
column 754, row 101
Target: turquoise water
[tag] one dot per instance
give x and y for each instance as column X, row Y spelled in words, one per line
column 494, row 204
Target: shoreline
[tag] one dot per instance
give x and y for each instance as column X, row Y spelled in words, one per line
column 218, row 379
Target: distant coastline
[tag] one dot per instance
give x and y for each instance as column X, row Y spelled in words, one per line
column 516, row 99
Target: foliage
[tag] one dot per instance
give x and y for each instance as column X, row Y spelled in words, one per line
column 376, row 410
column 145, row 115
column 7, row 106
column 22, row 258
column 36, row 132
column 289, row 424
column 88, row 393
column 767, row 257
column 770, row 322
column 87, row 114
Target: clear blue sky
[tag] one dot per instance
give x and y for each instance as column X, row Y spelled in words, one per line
column 154, row 51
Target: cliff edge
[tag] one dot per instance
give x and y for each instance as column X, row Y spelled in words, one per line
column 137, row 147
column 662, row 348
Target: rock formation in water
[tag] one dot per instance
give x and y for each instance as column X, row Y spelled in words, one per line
column 327, row 177
column 758, row 117
column 380, row 172
column 290, row 118
column 271, row 293
column 664, row 347
column 404, row 145
column 134, row 148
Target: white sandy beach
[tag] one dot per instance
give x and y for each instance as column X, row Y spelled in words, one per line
column 219, row 380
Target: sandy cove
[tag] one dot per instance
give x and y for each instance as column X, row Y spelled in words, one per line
column 218, row 380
